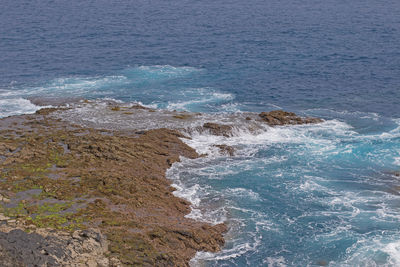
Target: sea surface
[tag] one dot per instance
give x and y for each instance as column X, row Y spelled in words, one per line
column 313, row 195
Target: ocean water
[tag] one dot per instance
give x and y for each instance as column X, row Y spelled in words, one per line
column 308, row 195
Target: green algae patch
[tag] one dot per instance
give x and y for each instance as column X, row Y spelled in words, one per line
column 46, row 215
column 133, row 249
column 56, row 221
column 15, row 212
column 49, row 208
column 34, row 169
column 56, row 157
column 66, row 221
column 116, row 108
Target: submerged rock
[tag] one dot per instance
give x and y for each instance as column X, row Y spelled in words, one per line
column 225, row 149
column 280, row 117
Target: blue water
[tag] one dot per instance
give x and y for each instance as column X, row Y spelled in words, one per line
column 297, row 196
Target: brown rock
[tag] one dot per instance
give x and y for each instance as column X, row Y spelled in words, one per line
column 280, row 117
column 46, row 111
column 115, row 183
column 218, row 129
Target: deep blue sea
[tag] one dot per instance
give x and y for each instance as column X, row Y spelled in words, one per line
column 293, row 196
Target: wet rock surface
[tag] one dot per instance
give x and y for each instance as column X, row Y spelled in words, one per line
column 280, row 117
column 218, row 129
column 74, row 196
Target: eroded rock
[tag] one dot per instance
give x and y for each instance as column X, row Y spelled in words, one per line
column 280, row 117
column 52, row 248
column 112, row 182
column 218, row 129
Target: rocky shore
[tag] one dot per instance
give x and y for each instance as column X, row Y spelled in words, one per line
column 73, row 195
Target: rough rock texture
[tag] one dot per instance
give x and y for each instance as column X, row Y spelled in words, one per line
column 58, row 176
column 218, row 129
column 280, row 117
column 52, row 248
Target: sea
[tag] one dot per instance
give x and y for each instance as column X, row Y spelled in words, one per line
column 306, row 195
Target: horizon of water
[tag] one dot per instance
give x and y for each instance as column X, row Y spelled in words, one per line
column 309, row 195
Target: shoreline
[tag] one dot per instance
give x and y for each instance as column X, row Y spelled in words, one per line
column 125, row 194
column 106, row 187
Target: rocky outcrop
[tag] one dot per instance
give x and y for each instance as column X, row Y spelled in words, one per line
column 225, row 149
column 53, row 248
column 218, row 129
column 97, row 193
column 280, row 117
column 76, row 196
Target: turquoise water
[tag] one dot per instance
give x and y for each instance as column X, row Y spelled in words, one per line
column 292, row 196
column 301, row 196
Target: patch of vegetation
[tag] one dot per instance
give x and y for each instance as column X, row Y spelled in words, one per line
column 56, row 158
column 35, row 169
column 49, row 208
column 47, row 215
column 15, row 212
column 115, row 108
column 133, row 249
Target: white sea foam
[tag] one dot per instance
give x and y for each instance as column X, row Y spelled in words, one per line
column 77, row 86
column 375, row 251
column 275, row 261
column 5, row 93
column 397, row 160
column 195, row 194
column 322, row 137
column 189, row 193
column 317, row 137
column 17, row 106
column 240, row 248
column 393, row 250
column 188, row 98
column 248, row 138
column 242, row 192
column 167, row 70
column 186, row 105
column 342, row 113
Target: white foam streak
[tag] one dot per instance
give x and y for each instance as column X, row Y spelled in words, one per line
column 275, row 261
column 322, row 138
column 243, row 193
column 211, row 97
column 229, row 253
column 393, row 250
column 372, row 252
column 168, row 70
column 17, row 106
